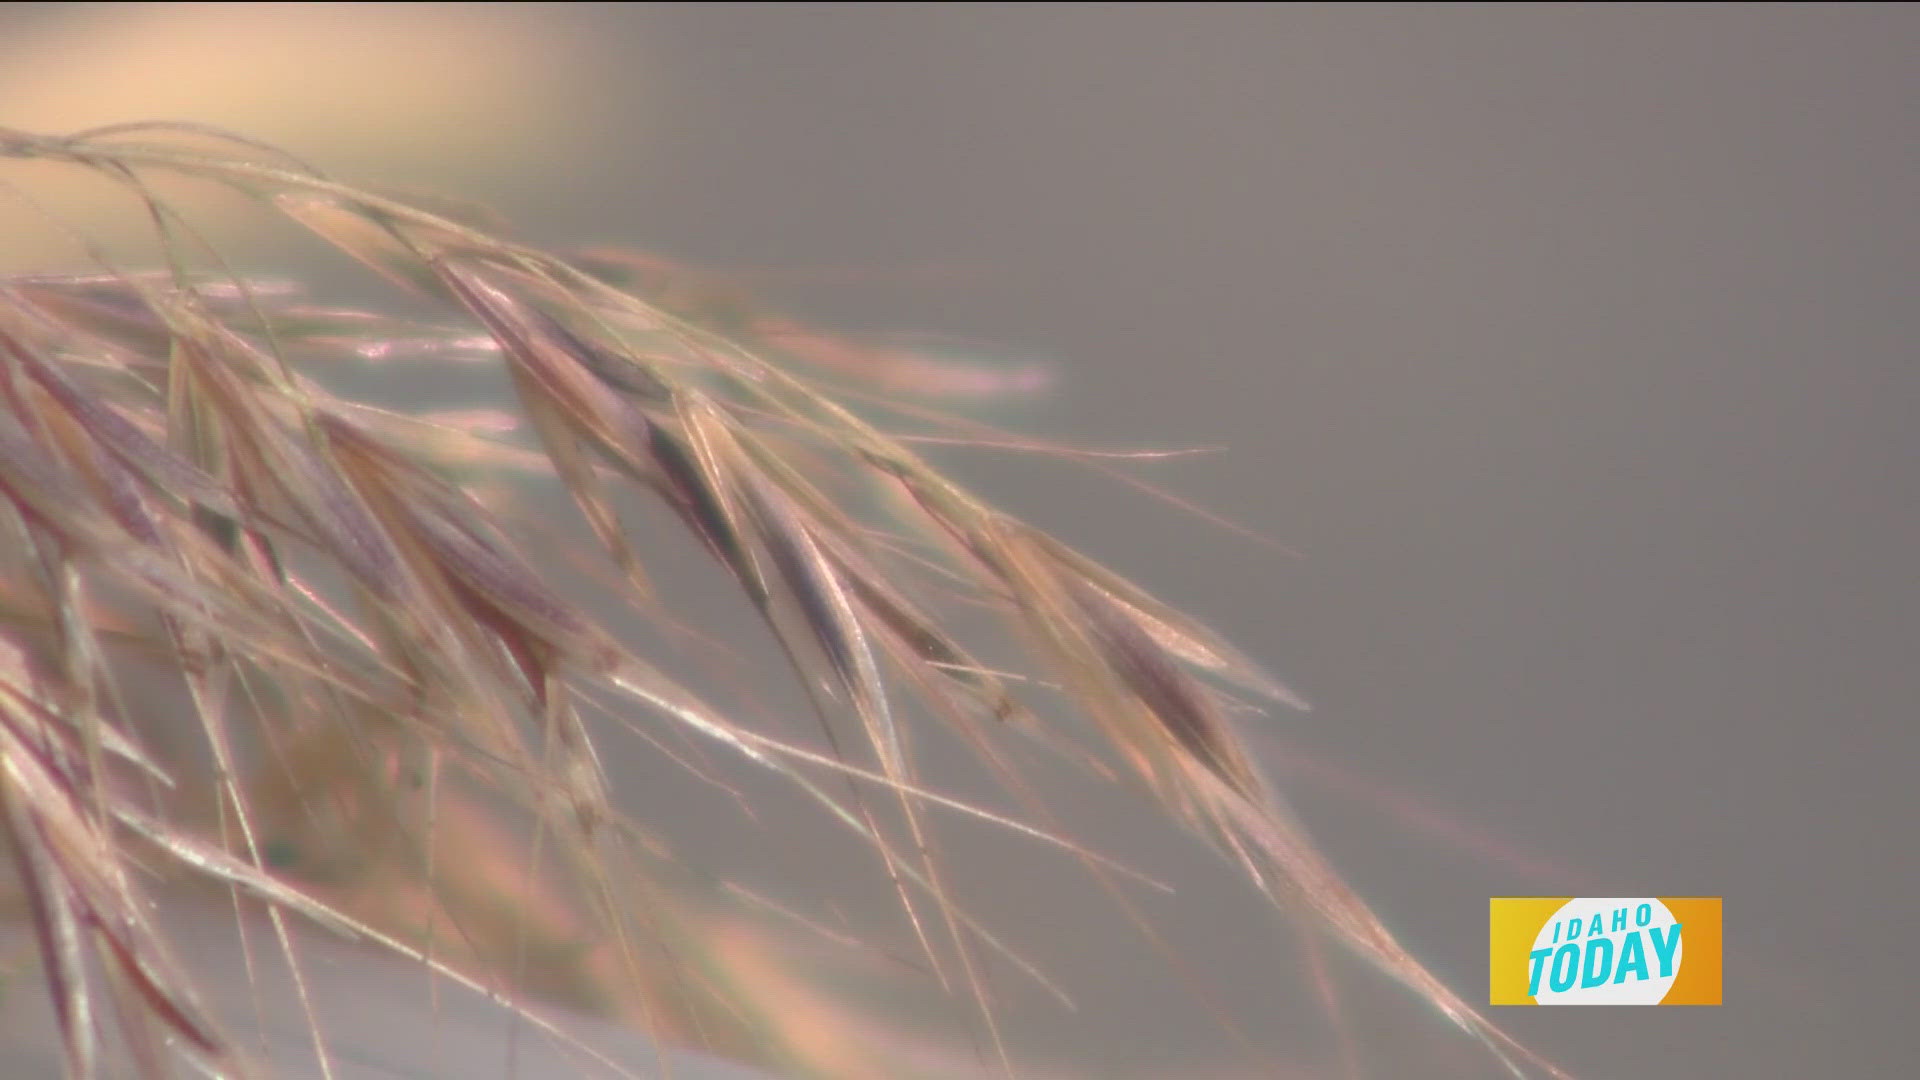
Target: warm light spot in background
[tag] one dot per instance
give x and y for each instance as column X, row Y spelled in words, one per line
column 480, row 104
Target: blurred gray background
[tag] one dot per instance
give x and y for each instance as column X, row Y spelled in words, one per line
column 1571, row 348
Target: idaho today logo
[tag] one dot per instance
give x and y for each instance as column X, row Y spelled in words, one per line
column 1584, row 950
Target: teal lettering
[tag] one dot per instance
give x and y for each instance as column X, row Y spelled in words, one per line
column 1619, row 919
column 1633, row 957
column 1664, row 950
column 1643, row 915
column 1597, row 928
column 1566, row 964
column 1539, row 958
column 1599, row 962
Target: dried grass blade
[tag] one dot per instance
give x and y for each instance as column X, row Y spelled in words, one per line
column 1173, row 631
column 78, row 866
column 1139, row 662
column 565, row 403
column 56, row 926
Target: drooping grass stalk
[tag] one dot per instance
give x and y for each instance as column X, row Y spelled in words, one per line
column 359, row 635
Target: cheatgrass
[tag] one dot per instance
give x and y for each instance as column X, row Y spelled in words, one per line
column 365, row 703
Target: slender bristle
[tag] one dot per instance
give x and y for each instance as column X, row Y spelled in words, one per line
column 393, row 701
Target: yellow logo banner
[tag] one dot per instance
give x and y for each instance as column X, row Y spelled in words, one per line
column 1585, row 950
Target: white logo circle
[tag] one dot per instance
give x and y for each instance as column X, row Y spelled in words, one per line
column 1606, row 951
